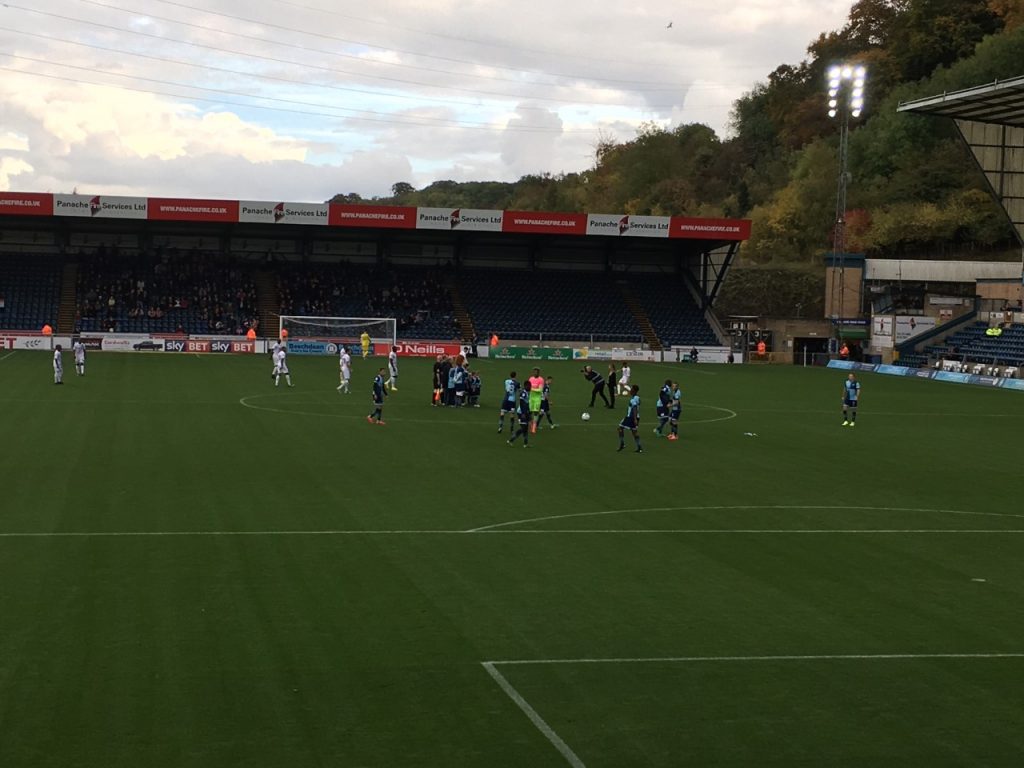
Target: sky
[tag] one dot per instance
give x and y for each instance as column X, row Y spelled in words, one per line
column 302, row 99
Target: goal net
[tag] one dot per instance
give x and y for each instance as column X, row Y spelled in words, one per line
column 341, row 330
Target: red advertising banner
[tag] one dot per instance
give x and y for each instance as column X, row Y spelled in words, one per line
column 428, row 348
column 535, row 222
column 25, row 204
column 375, row 216
column 180, row 209
column 197, row 346
column 710, row 229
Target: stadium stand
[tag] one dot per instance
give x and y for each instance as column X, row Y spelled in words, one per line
column 673, row 311
column 415, row 297
column 533, row 305
column 164, row 291
column 29, row 289
column 972, row 345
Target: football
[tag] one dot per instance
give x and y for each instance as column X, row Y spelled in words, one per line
column 585, row 416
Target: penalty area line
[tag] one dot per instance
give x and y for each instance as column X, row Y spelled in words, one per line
column 517, row 698
column 766, row 658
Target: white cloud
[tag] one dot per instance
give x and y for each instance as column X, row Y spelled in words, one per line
column 567, row 71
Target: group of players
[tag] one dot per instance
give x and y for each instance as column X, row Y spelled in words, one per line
column 528, row 404
column 78, row 348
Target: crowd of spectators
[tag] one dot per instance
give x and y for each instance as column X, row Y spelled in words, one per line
column 417, row 298
column 165, row 289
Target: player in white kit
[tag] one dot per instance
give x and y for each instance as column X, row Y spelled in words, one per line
column 624, row 375
column 79, row 349
column 58, row 366
column 393, row 369
column 273, row 356
column 345, row 362
column 281, row 367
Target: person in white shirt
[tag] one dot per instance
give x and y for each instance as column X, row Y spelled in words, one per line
column 281, row 367
column 624, row 375
column 393, row 369
column 58, row 366
column 273, row 356
column 79, row 349
column 345, row 362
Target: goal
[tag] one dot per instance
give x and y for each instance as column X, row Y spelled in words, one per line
column 339, row 330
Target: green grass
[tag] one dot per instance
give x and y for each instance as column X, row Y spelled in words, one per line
column 358, row 637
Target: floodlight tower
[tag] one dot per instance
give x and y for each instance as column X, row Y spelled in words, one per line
column 845, row 100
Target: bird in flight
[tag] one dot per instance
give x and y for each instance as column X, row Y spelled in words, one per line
column 669, row 26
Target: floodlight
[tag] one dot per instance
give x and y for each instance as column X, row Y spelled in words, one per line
column 832, row 103
column 831, row 113
column 855, row 113
column 861, row 72
column 833, row 92
column 857, row 103
column 847, row 73
column 833, row 73
column 858, row 82
column 833, row 82
column 858, row 92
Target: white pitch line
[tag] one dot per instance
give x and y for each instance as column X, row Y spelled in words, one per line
column 533, row 715
column 6, row 356
column 704, row 531
column 510, row 532
column 603, row 513
column 126, row 534
column 800, row 657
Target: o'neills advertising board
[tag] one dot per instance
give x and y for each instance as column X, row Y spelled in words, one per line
column 619, row 225
column 710, row 229
column 177, row 209
column 100, row 206
column 376, row 216
column 540, row 223
column 428, row 348
column 459, row 219
column 255, row 212
column 25, row 204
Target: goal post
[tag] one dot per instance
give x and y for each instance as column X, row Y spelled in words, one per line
column 383, row 331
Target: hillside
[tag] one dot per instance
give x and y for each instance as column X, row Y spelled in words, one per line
column 914, row 190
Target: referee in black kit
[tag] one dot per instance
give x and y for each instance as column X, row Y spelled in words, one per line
column 597, row 380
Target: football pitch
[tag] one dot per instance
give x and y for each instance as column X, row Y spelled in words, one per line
column 200, row 569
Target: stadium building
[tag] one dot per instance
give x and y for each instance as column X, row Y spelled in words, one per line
column 143, row 273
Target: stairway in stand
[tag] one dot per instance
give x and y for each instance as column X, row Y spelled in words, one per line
column 462, row 316
column 640, row 315
column 68, row 299
column 268, row 302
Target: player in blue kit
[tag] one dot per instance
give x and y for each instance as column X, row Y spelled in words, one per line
column 675, row 410
column 664, row 404
column 379, row 393
column 508, row 403
column 851, row 396
column 545, row 404
column 524, row 415
column 631, row 420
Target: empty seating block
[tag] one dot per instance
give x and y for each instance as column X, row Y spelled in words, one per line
column 531, row 305
column 30, row 289
column 677, row 318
